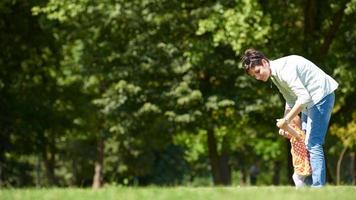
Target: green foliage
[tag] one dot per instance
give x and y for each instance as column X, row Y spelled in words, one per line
column 347, row 134
column 151, row 78
column 238, row 26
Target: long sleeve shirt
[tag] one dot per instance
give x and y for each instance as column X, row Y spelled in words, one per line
column 300, row 81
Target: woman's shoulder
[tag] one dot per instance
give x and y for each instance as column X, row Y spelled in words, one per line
column 289, row 62
column 290, row 57
column 293, row 58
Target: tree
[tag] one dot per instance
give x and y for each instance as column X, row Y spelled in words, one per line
column 347, row 135
column 127, row 86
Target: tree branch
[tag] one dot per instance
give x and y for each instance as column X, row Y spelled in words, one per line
column 310, row 13
column 331, row 33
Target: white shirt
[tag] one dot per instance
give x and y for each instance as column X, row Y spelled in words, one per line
column 301, row 81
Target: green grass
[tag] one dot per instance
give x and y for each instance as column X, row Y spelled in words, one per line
column 182, row 193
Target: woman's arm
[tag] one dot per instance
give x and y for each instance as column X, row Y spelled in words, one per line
column 282, row 123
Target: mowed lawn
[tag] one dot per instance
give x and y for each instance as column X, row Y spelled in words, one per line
column 182, row 193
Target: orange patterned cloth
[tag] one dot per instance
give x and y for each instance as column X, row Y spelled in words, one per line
column 300, row 154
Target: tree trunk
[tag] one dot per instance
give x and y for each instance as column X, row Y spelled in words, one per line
column 98, row 176
column 331, row 33
column 330, row 178
column 339, row 165
column 310, row 15
column 310, row 25
column 49, row 165
column 225, row 171
column 38, row 170
column 2, row 160
column 48, row 155
column 276, row 173
column 352, row 167
column 4, row 139
column 243, row 177
column 75, row 173
column 1, row 174
column 219, row 163
column 290, row 169
column 213, row 156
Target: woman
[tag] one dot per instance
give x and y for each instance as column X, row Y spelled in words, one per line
column 307, row 89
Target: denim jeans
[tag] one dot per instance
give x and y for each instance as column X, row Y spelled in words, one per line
column 315, row 122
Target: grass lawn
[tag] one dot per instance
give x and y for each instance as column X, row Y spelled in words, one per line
column 179, row 193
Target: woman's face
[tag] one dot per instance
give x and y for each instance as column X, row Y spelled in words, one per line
column 260, row 72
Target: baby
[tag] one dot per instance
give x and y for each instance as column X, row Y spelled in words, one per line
column 300, row 154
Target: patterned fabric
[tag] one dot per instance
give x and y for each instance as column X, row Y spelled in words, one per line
column 300, row 154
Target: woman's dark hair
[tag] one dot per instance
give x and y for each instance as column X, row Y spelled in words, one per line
column 252, row 58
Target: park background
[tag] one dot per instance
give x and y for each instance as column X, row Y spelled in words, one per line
column 152, row 92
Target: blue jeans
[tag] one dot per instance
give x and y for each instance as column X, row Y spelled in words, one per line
column 315, row 122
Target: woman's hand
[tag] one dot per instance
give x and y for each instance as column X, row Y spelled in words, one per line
column 282, row 123
column 283, row 133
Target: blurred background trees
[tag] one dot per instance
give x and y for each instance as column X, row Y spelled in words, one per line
column 145, row 92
